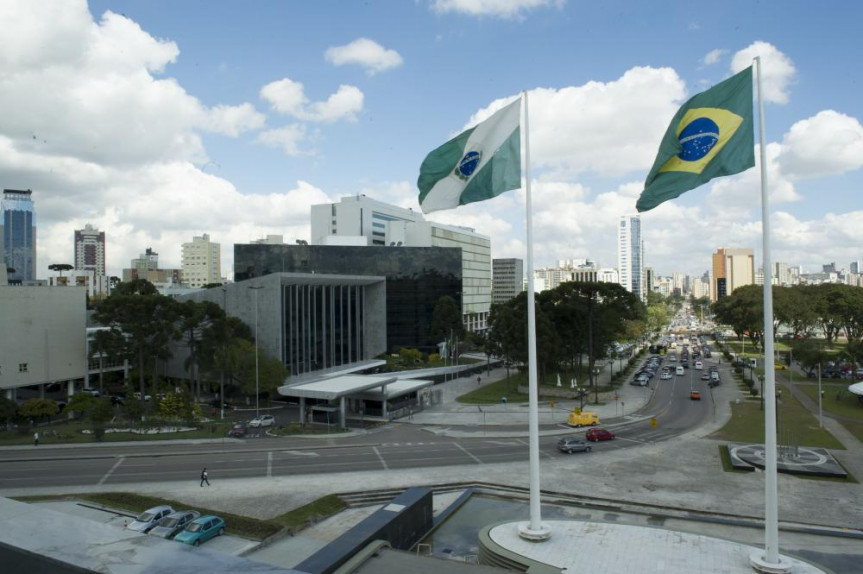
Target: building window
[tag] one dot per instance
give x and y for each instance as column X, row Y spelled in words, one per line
column 22, row 367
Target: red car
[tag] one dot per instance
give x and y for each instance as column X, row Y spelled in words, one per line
column 597, row 434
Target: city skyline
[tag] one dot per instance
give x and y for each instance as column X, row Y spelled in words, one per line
column 149, row 125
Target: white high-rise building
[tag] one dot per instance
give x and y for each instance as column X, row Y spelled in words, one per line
column 202, row 262
column 90, row 250
column 630, row 256
column 360, row 218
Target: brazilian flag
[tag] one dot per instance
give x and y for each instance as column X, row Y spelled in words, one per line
column 710, row 136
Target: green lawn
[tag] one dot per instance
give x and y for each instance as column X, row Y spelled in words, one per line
column 492, row 393
column 795, row 425
column 72, row 432
column 837, row 400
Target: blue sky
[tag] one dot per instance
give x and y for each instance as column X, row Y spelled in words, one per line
column 161, row 120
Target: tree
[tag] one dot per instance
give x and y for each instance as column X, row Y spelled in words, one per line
column 8, row 409
column 605, row 310
column 60, row 267
column 222, row 348
column 142, row 323
column 810, row 353
column 105, row 344
column 38, row 409
column 446, row 320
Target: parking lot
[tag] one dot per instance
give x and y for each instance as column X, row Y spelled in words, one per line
column 226, row 544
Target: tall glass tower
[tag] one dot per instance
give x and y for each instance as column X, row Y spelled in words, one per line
column 19, row 235
column 630, row 256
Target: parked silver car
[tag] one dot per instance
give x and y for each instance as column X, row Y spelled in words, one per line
column 149, row 518
column 170, row 525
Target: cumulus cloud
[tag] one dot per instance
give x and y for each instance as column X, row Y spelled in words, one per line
column 287, row 138
column 607, row 128
column 495, row 8
column 778, row 69
column 234, row 120
column 829, row 143
column 288, row 97
column 365, row 53
column 713, row 56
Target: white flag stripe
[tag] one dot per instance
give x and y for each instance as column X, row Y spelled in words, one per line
column 488, row 135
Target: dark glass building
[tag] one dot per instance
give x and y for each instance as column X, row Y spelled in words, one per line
column 19, row 235
column 416, row 279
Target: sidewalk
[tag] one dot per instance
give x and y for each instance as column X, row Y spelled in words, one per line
column 450, row 412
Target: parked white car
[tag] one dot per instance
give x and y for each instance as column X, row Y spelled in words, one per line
column 262, row 421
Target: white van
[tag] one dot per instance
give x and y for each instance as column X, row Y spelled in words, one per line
column 679, row 371
column 698, row 365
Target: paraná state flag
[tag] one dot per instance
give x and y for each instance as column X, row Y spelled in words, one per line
column 712, row 135
column 477, row 164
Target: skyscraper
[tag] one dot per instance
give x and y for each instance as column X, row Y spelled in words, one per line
column 202, row 262
column 507, row 279
column 19, row 235
column 630, row 256
column 732, row 268
column 90, row 250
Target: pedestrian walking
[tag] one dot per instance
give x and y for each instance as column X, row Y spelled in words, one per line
column 478, row 379
column 36, row 438
column 204, row 477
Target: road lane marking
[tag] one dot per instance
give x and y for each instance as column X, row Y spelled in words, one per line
column 270, row 464
column 464, row 450
column 545, row 454
column 301, row 453
column 383, row 462
column 110, row 472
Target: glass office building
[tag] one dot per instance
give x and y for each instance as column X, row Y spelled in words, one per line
column 19, row 235
column 416, row 279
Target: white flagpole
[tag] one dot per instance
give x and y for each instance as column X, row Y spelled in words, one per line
column 534, row 530
column 769, row 561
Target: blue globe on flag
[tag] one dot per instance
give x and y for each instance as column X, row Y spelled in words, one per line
column 468, row 164
column 698, row 138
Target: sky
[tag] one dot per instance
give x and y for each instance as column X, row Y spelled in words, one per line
column 158, row 121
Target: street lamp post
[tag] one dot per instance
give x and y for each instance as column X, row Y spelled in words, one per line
column 820, row 395
column 255, row 288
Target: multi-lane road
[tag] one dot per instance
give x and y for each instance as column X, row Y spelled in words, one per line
column 396, row 446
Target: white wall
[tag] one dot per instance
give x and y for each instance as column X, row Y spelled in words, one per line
column 44, row 328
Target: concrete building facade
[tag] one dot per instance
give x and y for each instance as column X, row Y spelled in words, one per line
column 202, row 262
column 732, row 268
column 90, row 250
column 44, row 335
column 416, row 279
column 19, row 235
column 380, row 224
column 310, row 322
column 507, row 279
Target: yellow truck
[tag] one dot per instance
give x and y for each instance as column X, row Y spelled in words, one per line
column 579, row 418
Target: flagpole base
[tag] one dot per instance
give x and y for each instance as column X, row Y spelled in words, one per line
column 540, row 534
column 759, row 562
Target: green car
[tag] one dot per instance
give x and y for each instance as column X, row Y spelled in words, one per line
column 201, row 529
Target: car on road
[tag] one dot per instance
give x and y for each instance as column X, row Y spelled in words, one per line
column 679, row 371
column 201, row 529
column 239, row 430
column 571, row 445
column 695, row 395
column 262, row 421
column 149, row 518
column 172, row 524
column 665, row 376
column 705, row 376
column 597, row 434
